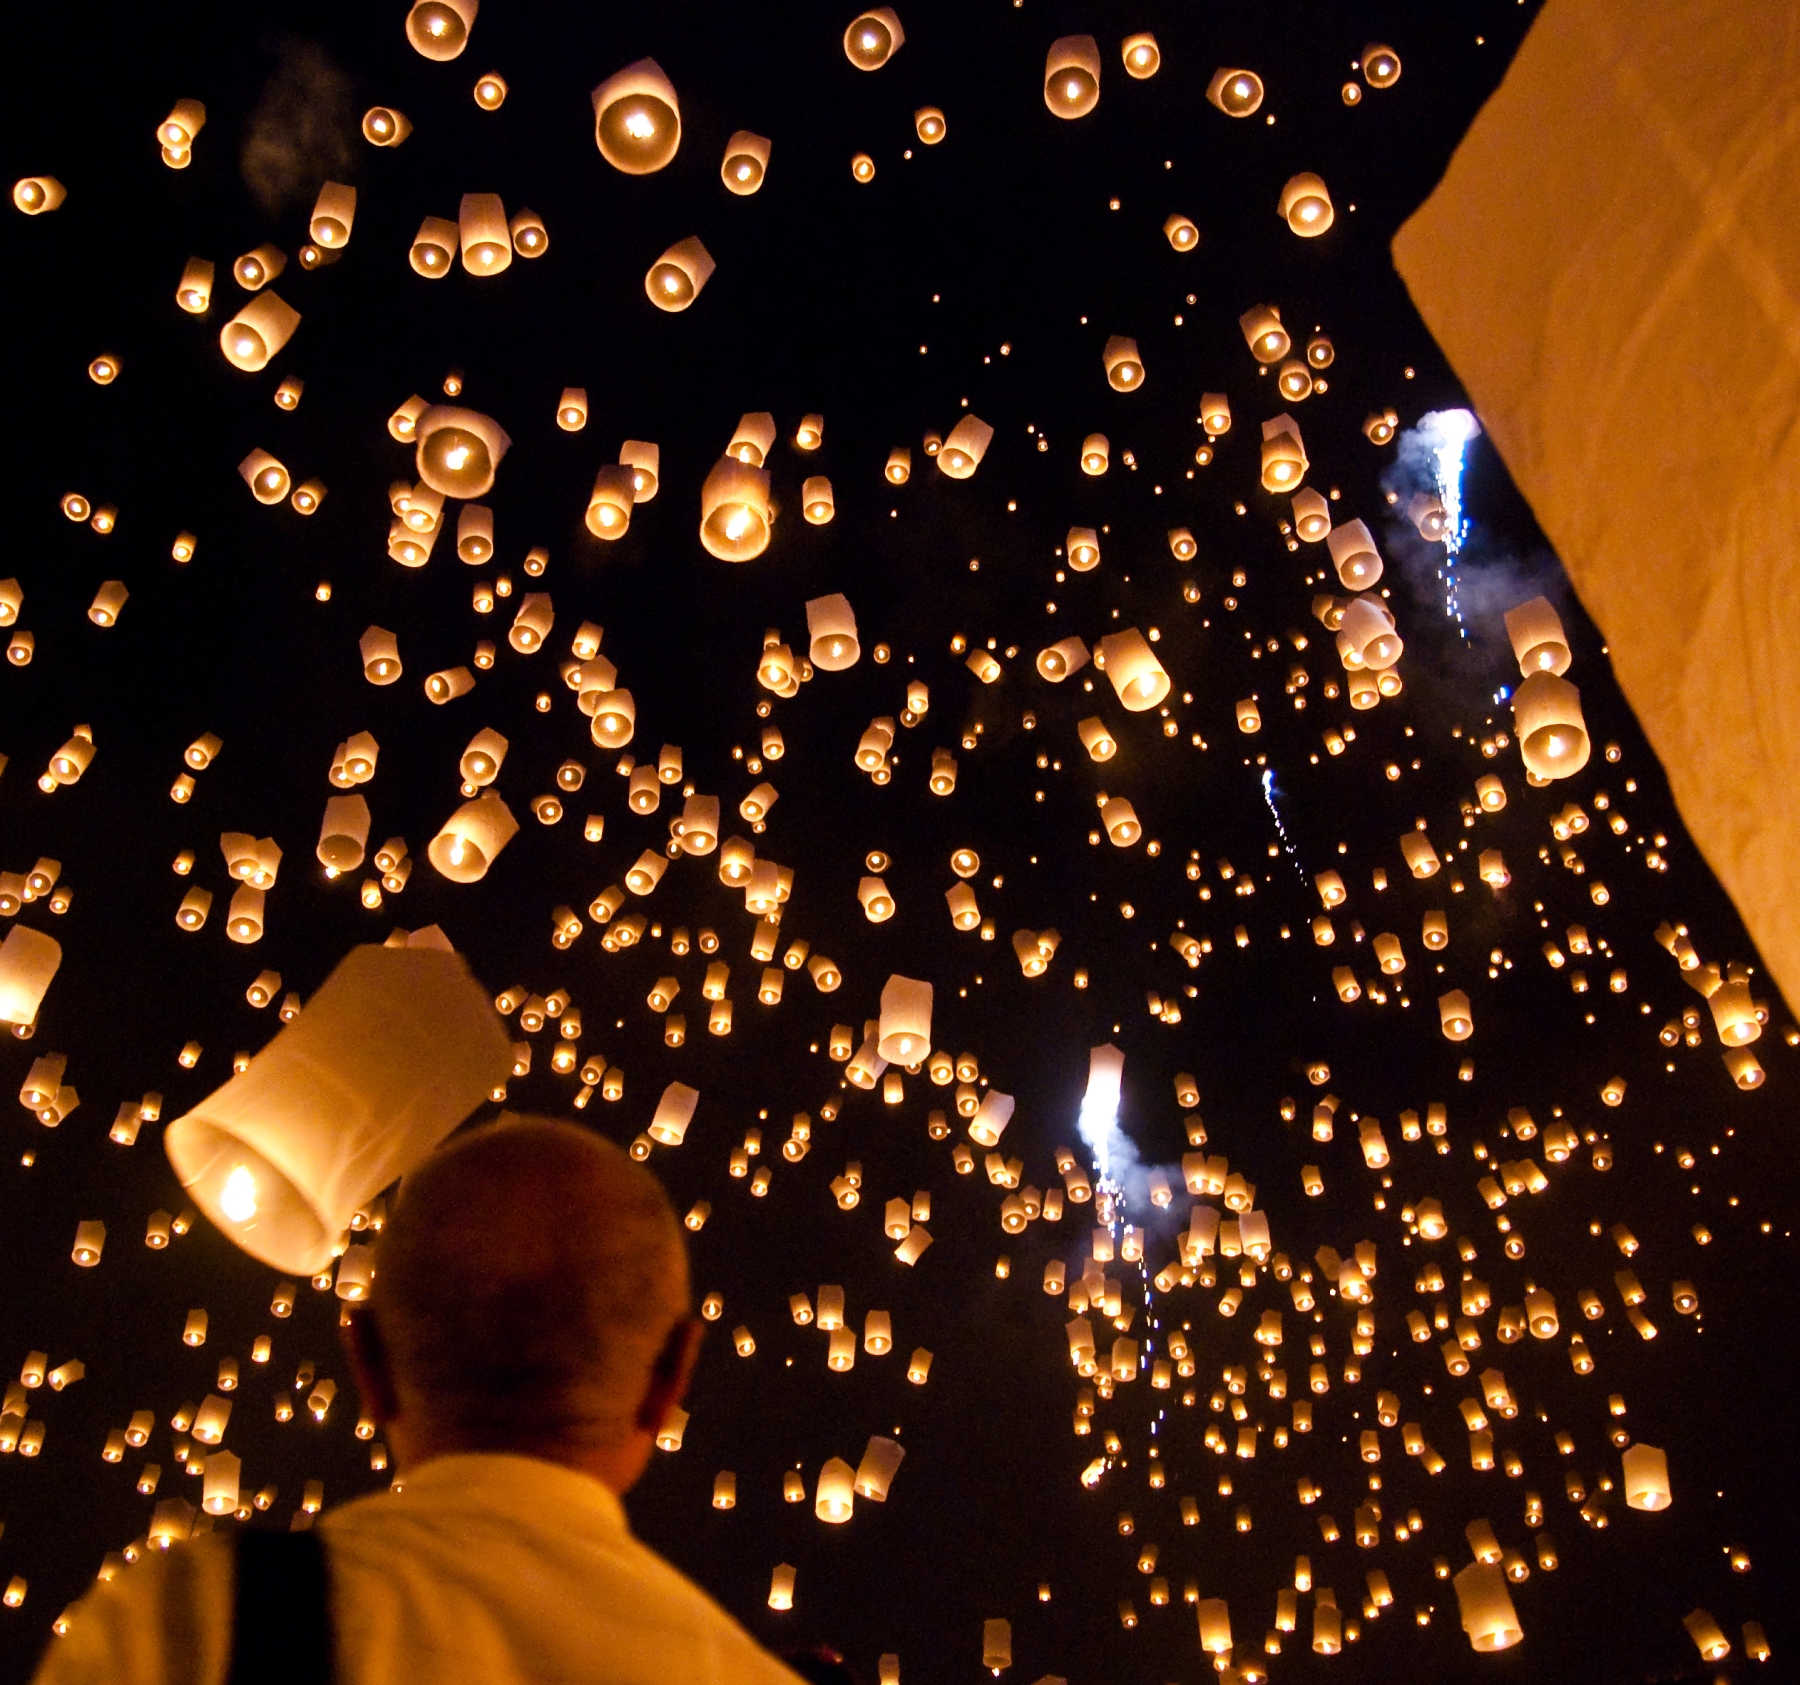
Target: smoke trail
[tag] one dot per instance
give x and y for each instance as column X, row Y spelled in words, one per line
column 302, row 130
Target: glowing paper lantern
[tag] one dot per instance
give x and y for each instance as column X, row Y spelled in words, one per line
column 1124, row 367
column 1136, row 675
column 393, row 1051
column 483, row 235
column 873, row 39
column 1486, row 1606
column 1181, row 233
column 1538, row 640
column 36, row 194
column 1072, row 76
column 675, row 279
column 459, row 451
column 904, row 1031
column 1284, row 461
column 745, row 164
column 28, row 961
column 1237, row 93
column 382, row 125
column 258, row 331
column 333, row 215
column 1646, row 1477
column 1354, row 555
column 1553, row 739
column 609, row 503
column 1306, row 205
column 831, row 632
column 735, row 516
column 637, row 119
column 471, row 838
column 439, row 29
column 929, row 124
column 434, row 247
column 962, row 452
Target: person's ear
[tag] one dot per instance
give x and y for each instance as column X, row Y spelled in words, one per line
column 670, row 1373
column 368, row 1358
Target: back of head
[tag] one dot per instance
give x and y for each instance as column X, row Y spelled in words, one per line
column 526, row 1283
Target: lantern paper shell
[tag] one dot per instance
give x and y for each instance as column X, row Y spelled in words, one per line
column 745, row 164
column 343, row 833
column 645, row 462
column 1124, row 367
column 675, row 279
column 1488, row 1616
column 831, row 632
column 36, row 194
column 1284, row 461
column 483, row 235
column 609, row 504
column 1136, row 675
column 267, row 478
column 637, row 119
column 1305, row 205
column 873, row 38
column 257, row 268
column 1539, row 643
column 380, row 652
column 193, row 292
column 395, row 1049
column 382, row 125
column 930, row 125
column 1066, row 656
column 1380, row 66
column 904, row 1031
column 1072, row 76
column 28, row 962
column 1454, row 1016
column 1312, row 516
column 1354, row 555
column 734, row 511
column 1263, row 333
column 333, row 215
column 674, row 1112
column 816, row 501
column 258, row 331
column 1181, row 233
column 471, row 838
column 1096, row 454
column 961, row 453
column 459, row 451
column 1646, row 1477
column 529, row 236
column 434, row 247
column 1238, row 93
column 439, row 29
column 1547, row 720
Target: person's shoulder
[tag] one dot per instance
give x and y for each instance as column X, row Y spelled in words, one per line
column 164, row 1617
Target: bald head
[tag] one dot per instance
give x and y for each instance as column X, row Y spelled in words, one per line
column 527, row 1282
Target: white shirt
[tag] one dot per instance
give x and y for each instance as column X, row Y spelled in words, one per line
column 484, row 1568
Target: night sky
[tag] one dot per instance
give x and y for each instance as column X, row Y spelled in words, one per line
column 981, row 275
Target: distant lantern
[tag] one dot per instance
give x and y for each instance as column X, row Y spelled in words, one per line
column 1306, row 205
column 904, row 1028
column 1284, row 461
column 1096, row 454
column 28, row 961
column 1312, row 516
column 380, row 652
column 268, row 479
column 475, row 534
column 1143, row 58
column 1136, row 675
column 873, row 38
column 1181, row 233
column 862, row 167
column 1539, row 643
column 1215, row 414
column 1486, row 1606
column 609, row 503
column 434, row 247
column 405, row 1043
column 1454, row 1016
column 1082, row 548
column 637, row 119
column 258, row 331
column 193, row 292
column 1712, row 1643
column 382, row 125
column 1547, row 720
column 439, row 29
column 1249, row 716
column 996, row 1646
column 1120, row 819
column 899, row 466
column 929, row 124
column 572, row 409
column 257, row 268
column 745, row 164
column 1124, row 367
column 490, row 91
column 108, row 601
column 735, row 515
column 1268, row 340
column 1367, row 638
column 36, row 194
column 1181, row 544
column 1380, row 426
column 459, row 451
column 471, row 838
column 1238, row 93
column 343, row 834
column 482, row 233
column 1646, row 1478
column 645, row 462
column 961, row 453
column 1067, row 656
column 333, row 215
column 1072, row 76
column 1380, row 66
column 1096, row 739
column 1354, row 555
column 529, row 236
column 614, row 719
column 816, row 501
column 676, row 278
